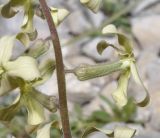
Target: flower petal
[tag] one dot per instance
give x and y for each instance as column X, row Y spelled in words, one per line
column 58, row 15
column 122, row 39
column 23, row 38
column 46, row 69
column 93, row 5
column 8, row 10
column 47, row 101
column 120, row 94
column 24, row 67
column 118, row 132
column 6, row 114
column 90, row 130
column 6, row 84
column 7, row 43
column 101, row 46
column 27, row 25
column 34, row 109
column 124, row 132
column 44, row 132
column 138, row 80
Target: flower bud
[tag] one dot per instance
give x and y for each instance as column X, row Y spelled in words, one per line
column 58, row 15
column 93, row 5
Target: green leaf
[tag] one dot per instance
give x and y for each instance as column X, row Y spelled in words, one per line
column 24, row 67
column 34, row 108
column 100, row 116
column 120, row 94
column 122, row 39
column 6, row 114
column 138, row 80
column 93, row 5
column 101, row 46
column 7, row 43
column 58, row 15
column 129, row 111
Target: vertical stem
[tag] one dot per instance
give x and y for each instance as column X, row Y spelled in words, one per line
column 60, row 71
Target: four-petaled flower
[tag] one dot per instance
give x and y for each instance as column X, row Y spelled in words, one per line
column 25, row 73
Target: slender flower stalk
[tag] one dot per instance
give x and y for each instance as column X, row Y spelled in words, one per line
column 60, row 70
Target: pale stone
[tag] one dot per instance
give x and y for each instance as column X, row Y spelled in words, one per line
column 147, row 30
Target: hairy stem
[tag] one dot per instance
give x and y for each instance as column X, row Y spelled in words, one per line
column 60, row 71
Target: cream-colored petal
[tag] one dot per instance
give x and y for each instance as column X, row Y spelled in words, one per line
column 124, row 132
column 58, row 15
column 44, row 132
column 138, row 80
column 90, row 130
column 109, row 29
column 24, row 67
column 120, row 94
column 93, row 5
column 23, row 38
column 7, row 43
column 34, row 108
column 118, row 132
column 122, row 39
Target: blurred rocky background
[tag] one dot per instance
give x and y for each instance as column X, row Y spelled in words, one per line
column 90, row 102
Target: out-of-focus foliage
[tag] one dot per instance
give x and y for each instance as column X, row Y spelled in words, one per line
column 79, row 122
column 110, row 8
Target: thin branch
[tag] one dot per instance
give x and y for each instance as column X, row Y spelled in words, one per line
column 60, row 71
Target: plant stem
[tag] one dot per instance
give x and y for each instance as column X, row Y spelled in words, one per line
column 60, row 71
